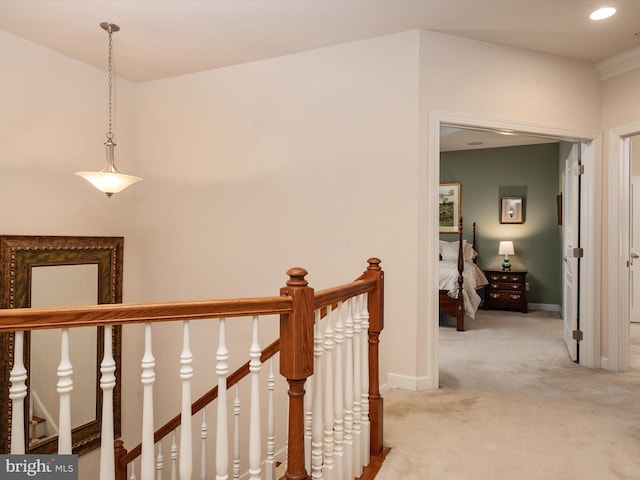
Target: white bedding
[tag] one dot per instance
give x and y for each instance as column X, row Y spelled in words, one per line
column 473, row 278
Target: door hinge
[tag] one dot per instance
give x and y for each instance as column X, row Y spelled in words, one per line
column 578, row 252
column 578, row 169
column 577, row 335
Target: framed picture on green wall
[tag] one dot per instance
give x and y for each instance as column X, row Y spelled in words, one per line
column 511, row 209
column 449, row 205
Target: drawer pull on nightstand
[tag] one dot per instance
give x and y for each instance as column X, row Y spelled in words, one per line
column 514, row 297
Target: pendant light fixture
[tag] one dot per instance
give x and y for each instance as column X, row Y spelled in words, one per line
column 109, row 180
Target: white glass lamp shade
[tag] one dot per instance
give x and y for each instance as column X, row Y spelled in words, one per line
column 109, row 180
column 506, row 248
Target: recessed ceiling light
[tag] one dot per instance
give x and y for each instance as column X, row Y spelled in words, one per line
column 602, row 13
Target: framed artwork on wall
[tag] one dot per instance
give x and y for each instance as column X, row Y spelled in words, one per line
column 511, row 209
column 449, row 207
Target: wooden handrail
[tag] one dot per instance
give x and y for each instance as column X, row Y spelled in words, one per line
column 118, row 314
column 295, row 305
column 331, row 296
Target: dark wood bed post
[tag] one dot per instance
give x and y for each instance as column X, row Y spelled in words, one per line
column 296, row 364
column 376, row 325
column 460, row 313
column 475, row 240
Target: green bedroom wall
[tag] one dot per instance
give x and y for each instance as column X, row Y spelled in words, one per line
column 530, row 171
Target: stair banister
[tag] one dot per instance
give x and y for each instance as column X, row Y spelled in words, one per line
column 296, row 363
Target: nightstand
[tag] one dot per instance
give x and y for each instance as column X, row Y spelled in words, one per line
column 506, row 290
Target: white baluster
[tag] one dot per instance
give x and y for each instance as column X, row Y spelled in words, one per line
column 159, row 461
column 348, row 393
column 174, row 457
column 308, row 421
column 270, row 464
column 204, row 434
column 222, row 432
column 107, row 384
column 186, row 373
column 17, row 394
column 328, row 467
column 236, row 434
column 316, row 440
column 133, row 471
column 64, row 389
column 255, row 365
column 357, row 387
column 148, row 377
column 364, row 352
column 339, row 398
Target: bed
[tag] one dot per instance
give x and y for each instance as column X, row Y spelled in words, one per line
column 460, row 278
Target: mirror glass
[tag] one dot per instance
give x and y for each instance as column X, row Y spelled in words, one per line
column 60, row 286
column 54, row 271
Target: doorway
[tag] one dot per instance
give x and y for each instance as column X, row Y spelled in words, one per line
column 622, row 141
column 589, row 228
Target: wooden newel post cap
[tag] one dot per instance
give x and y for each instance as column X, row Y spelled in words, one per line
column 374, row 264
column 296, row 277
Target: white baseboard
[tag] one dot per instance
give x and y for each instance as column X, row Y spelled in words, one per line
column 547, row 307
column 604, row 363
column 411, row 383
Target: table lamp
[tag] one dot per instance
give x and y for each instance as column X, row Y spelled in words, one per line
column 506, row 249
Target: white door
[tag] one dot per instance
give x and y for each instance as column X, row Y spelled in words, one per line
column 634, row 250
column 570, row 237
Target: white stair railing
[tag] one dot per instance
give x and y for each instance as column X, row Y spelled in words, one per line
column 222, row 432
column 148, row 377
column 186, row 373
column 270, row 463
column 335, row 415
column 328, row 468
column 17, row 394
column 107, row 384
column 64, row 388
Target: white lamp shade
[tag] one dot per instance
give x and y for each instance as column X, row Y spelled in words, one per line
column 506, row 248
column 109, row 183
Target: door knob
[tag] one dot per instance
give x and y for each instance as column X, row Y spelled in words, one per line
column 634, row 255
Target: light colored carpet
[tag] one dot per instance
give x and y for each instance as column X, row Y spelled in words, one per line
column 513, row 406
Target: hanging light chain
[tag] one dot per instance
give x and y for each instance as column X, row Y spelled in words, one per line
column 110, row 28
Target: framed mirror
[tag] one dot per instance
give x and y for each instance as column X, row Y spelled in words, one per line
column 53, row 271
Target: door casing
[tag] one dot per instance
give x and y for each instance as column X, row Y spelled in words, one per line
column 590, row 229
column 619, row 171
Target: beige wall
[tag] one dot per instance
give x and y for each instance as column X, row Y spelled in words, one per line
column 317, row 159
column 635, row 155
column 243, row 162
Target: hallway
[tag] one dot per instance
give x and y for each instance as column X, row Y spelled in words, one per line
column 513, row 406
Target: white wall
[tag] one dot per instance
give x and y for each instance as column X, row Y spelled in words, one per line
column 304, row 160
column 317, row 159
column 53, row 122
column 620, row 109
column 482, row 80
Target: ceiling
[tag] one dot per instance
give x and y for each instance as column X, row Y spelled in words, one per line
column 453, row 138
column 164, row 38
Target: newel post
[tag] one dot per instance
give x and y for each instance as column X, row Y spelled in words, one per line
column 376, row 325
column 296, row 364
column 119, row 452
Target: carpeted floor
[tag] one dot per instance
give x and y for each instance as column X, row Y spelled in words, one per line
column 513, row 406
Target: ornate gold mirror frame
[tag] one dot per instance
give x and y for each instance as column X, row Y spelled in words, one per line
column 18, row 256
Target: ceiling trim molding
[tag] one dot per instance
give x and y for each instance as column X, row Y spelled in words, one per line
column 619, row 64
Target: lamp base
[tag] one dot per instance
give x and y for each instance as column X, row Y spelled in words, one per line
column 505, row 264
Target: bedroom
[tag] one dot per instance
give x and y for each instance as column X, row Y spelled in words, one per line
column 530, row 171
